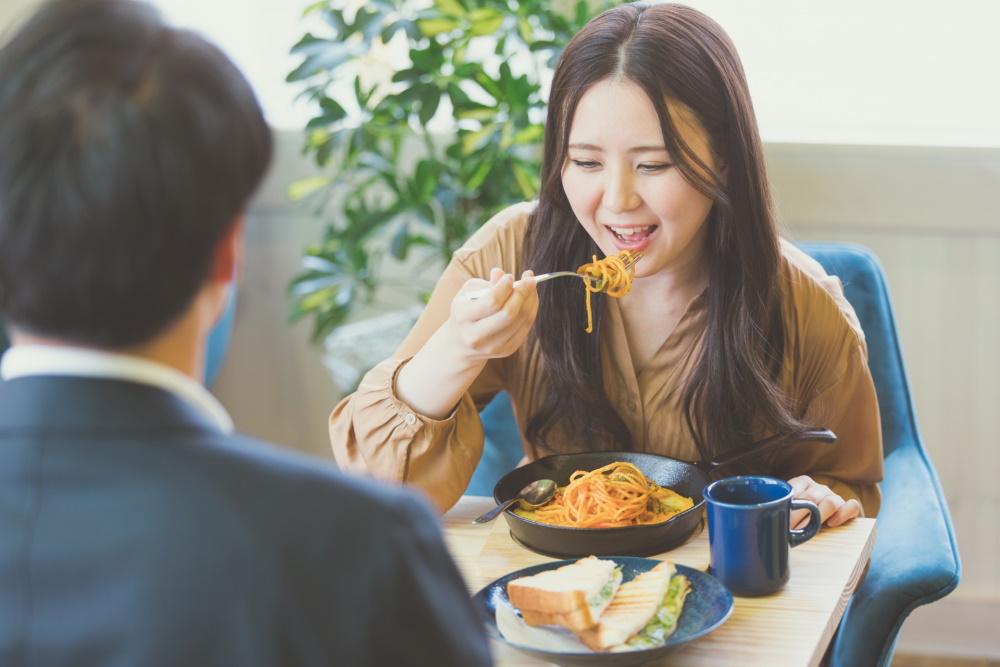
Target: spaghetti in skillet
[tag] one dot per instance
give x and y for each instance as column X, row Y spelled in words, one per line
column 614, row 496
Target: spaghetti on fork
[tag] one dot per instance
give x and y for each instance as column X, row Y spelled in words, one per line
column 612, row 275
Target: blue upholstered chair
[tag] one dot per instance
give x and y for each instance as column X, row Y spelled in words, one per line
column 218, row 342
column 4, row 341
column 915, row 560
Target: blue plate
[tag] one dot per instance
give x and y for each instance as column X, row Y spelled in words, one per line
column 707, row 606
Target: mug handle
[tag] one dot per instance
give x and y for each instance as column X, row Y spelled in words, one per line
column 797, row 537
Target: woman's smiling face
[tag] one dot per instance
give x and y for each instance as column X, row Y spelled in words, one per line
column 622, row 184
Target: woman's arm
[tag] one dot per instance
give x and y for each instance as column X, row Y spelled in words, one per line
column 413, row 418
column 492, row 327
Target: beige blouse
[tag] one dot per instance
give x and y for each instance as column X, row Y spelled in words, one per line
column 825, row 367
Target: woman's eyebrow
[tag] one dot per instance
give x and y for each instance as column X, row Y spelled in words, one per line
column 636, row 149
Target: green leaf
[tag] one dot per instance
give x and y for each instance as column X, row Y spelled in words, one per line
column 479, row 175
column 309, row 44
column 474, row 140
column 458, row 96
column 323, row 152
column 322, row 4
column 485, row 21
column 329, row 57
column 429, row 101
column 400, row 242
column 524, row 28
column 317, row 137
column 332, row 112
column 489, row 85
column 483, row 113
column 530, row 135
column 426, row 179
column 434, row 27
column 335, row 19
column 527, row 180
column 307, row 186
column 406, row 75
column 452, row 8
column 428, row 60
column 369, row 22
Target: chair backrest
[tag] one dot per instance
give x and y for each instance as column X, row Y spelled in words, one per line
column 864, row 286
column 4, row 341
column 218, row 342
column 915, row 560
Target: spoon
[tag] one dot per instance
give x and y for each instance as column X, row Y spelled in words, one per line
column 535, row 494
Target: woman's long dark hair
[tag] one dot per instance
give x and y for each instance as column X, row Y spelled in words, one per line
column 678, row 54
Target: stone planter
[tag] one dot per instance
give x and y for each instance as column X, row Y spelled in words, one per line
column 354, row 349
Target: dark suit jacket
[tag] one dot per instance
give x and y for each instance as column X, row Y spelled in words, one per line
column 132, row 533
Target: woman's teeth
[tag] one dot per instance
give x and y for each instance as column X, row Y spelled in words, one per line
column 630, row 234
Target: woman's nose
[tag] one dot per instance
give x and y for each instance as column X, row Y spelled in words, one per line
column 620, row 194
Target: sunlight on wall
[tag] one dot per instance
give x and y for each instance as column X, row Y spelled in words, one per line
column 856, row 71
column 852, row 71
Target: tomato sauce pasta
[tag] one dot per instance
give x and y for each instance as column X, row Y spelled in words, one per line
column 613, row 496
column 613, row 274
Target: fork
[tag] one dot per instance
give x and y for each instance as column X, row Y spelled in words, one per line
column 475, row 294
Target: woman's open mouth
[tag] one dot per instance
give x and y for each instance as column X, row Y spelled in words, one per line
column 632, row 238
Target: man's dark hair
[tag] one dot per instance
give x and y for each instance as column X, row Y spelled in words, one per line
column 127, row 149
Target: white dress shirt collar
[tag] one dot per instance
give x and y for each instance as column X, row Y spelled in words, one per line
column 25, row 360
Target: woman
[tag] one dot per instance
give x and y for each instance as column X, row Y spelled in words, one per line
column 727, row 336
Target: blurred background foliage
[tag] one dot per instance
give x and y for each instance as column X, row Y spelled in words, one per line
column 429, row 120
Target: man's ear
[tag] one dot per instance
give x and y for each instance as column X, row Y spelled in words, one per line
column 228, row 256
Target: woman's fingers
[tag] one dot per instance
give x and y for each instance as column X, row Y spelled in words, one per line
column 833, row 509
column 849, row 510
column 496, row 324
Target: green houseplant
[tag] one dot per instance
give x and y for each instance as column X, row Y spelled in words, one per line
column 430, row 118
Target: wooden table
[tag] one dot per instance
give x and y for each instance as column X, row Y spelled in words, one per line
column 791, row 627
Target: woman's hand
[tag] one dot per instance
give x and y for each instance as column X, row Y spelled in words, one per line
column 495, row 325
column 834, row 509
column 477, row 330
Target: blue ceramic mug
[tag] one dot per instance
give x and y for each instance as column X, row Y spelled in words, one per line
column 749, row 532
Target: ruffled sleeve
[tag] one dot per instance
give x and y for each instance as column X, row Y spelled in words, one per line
column 373, row 432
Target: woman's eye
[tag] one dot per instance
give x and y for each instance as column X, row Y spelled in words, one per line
column 586, row 164
column 655, row 168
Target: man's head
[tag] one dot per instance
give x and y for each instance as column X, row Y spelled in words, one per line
column 128, row 149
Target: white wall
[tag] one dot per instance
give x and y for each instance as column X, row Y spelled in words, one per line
column 853, row 71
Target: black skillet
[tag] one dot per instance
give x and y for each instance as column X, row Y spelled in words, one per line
column 688, row 478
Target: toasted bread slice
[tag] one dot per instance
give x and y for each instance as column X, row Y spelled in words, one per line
column 579, row 619
column 630, row 609
column 664, row 621
column 573, row 596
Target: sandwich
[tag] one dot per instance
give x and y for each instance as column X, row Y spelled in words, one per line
column 642, row 614
column 573, row 596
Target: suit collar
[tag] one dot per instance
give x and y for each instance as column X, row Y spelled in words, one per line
column 96, row 405
column 66, row 361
